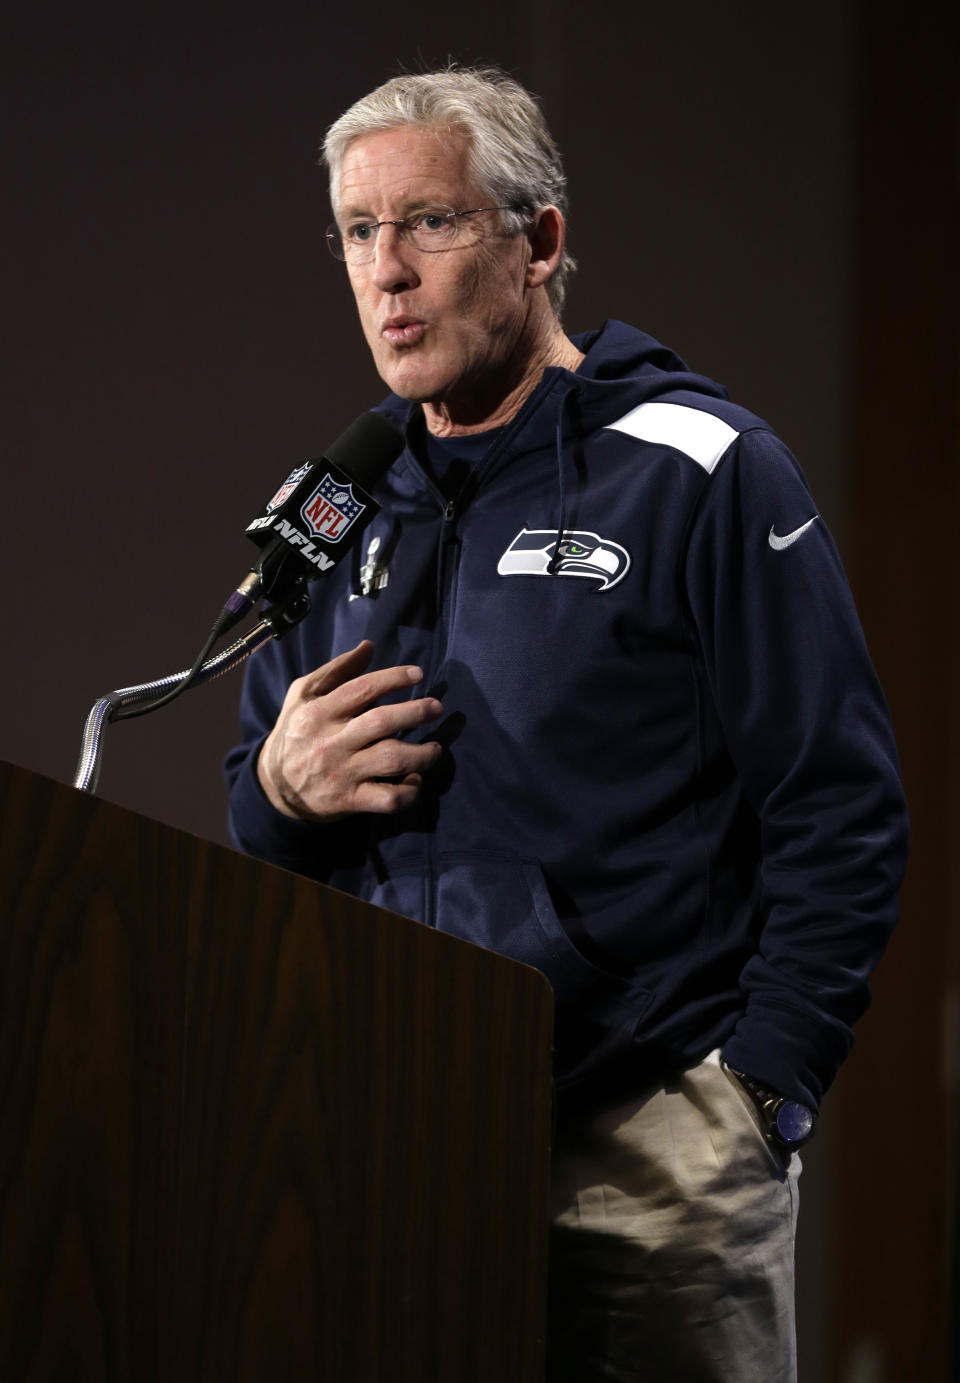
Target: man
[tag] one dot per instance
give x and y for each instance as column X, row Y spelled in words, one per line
column 660, row 768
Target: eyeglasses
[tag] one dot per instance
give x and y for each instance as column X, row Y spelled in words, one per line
column 431, row 230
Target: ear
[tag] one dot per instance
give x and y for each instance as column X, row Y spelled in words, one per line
column 546, row 246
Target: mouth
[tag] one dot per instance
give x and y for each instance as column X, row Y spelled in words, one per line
column 403, row 331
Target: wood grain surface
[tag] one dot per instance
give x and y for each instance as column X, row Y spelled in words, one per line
column 253, row 1128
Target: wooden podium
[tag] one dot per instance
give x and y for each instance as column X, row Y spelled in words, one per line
column 251, row 1128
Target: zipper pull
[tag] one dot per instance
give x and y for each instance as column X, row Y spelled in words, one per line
column 450, row 510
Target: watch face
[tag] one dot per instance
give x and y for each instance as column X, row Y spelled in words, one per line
column 794, row 1122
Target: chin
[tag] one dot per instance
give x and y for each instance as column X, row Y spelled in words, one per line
column 418, row 385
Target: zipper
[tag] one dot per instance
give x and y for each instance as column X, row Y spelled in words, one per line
column 447, row 577
column 440, row 645
column 450, row 511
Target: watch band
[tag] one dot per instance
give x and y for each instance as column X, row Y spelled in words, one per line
column 788, row 1123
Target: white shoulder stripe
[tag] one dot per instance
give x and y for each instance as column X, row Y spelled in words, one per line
column 697, row 434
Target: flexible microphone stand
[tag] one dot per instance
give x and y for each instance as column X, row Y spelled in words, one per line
column 145, row 697
column 299, row 534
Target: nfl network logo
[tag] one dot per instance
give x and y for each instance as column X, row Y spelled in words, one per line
column 331, row 509
column 288, row 486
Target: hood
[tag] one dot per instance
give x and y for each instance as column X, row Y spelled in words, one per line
column 623, row 367
column 617, row 351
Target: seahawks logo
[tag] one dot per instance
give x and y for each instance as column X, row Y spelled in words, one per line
column 579, row 554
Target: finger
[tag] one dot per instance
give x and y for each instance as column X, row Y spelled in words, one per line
column 344, row 668
column 393, row 759
column 388, row 798
column 385, row 722
column 355, row 696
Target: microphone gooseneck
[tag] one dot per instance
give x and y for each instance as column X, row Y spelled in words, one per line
column 304, row 530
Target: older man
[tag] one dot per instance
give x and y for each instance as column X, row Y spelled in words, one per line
column 661, row 770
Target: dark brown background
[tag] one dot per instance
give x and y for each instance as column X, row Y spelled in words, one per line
column 773, row 196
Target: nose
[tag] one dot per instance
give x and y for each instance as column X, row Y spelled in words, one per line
column 394, row 268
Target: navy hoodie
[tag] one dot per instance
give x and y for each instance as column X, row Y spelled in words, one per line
column 669, row 779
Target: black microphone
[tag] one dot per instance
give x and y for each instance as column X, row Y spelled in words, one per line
column 316, row 515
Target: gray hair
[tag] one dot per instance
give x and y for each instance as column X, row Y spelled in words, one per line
column 512, row 157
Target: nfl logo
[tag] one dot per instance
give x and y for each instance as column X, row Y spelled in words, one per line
column 288, row 486
column 331, row 509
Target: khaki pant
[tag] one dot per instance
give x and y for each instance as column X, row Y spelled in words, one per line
column 672, row 1246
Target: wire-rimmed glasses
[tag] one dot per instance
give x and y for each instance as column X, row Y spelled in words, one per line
column 430, row 230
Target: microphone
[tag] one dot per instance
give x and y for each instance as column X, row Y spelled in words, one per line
column 316, row 515
column 303, row 531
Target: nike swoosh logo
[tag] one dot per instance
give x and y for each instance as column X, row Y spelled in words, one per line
column 778, row 544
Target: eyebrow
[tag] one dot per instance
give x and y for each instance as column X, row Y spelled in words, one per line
column 417, row 204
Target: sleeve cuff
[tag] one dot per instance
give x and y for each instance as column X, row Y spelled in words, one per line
column 257, row 828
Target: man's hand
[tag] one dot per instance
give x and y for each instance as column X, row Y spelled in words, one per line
column 331, row 748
